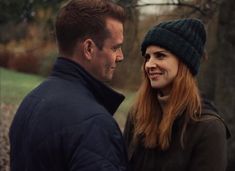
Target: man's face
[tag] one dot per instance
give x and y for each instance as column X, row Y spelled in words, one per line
column 105, row 60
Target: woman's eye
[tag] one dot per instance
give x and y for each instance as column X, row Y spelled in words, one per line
column 160, row 55
column 146, row 57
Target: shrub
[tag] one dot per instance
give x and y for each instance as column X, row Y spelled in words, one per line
column 5, row 57
column 25, row 62
column 46, row 63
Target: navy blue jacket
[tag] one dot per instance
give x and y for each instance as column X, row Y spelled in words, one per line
column 66, row 124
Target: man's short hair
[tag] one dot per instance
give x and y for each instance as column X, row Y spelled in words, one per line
column 81, row 19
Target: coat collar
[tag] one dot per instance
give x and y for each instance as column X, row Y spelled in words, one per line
column 106, row 96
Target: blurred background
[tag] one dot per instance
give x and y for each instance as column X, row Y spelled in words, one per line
column 28, row 50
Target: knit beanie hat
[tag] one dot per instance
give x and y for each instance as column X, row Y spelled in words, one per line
column 185, row 38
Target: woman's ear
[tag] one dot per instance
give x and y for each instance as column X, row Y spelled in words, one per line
column 88, row 48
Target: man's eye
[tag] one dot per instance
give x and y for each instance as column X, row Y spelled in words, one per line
column 114, row 49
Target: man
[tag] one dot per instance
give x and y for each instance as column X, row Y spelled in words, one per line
column 66, row 123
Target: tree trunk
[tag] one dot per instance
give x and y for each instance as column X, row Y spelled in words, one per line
column 225, row 82
column 126, row 75
column 219, row 75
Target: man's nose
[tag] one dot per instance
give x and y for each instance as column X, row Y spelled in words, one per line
column 120, row 55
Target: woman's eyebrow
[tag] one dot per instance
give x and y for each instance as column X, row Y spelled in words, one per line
column 162, row 51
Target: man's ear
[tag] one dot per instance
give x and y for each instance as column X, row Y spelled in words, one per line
column 88, row 48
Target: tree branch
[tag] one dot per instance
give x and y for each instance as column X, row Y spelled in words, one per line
column 179, row 3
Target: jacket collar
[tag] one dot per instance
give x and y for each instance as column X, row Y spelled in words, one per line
column 107, row 97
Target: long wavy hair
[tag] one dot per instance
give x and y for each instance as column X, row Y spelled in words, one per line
column 154, row 126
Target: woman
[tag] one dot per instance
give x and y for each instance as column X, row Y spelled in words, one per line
column 170, row 127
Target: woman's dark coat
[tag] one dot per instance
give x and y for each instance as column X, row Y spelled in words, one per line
column 204, row 146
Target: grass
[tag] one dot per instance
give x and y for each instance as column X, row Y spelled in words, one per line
column 14, row 85
column 123, row 109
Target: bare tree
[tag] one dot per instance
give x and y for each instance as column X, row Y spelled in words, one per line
column 217, row 75
column 203, row 9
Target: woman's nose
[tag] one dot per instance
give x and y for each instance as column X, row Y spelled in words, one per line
column 150, row 63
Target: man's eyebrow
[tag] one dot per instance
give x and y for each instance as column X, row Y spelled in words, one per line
column 118, row 45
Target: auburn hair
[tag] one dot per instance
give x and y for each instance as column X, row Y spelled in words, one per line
column 80, row 19
column 154, row 127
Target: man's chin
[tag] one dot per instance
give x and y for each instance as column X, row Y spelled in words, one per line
column 108, row 78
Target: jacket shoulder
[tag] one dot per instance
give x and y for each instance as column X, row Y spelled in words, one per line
column 209, row 112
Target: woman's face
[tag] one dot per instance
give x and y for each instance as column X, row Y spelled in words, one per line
column 161, row 68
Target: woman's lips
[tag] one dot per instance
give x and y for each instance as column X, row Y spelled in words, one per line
column 155, row 75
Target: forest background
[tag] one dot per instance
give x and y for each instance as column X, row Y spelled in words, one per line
column 27, row 45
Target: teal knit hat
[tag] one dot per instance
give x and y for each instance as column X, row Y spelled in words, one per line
column 184, row 37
